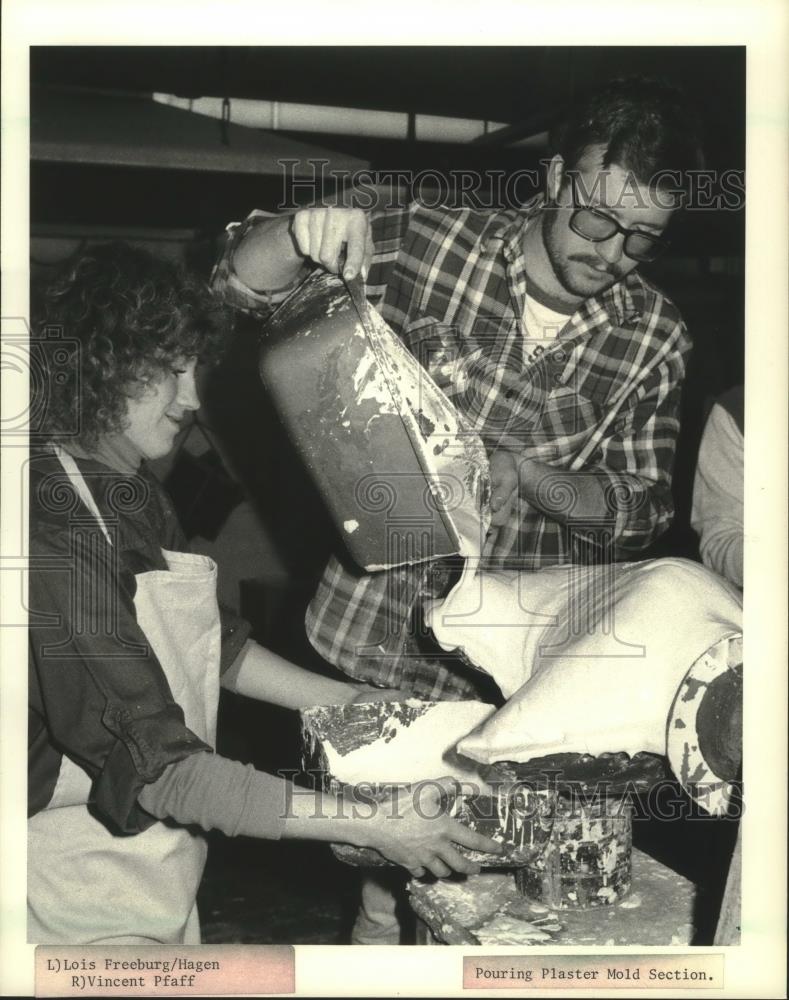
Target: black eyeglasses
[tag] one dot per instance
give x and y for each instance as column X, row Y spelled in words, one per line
column 597, row 227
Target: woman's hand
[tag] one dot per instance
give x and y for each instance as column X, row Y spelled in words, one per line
column 412, row 827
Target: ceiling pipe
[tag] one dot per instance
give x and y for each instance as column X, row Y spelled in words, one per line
column 290, row 117
column 528, row 130
column 86, row 127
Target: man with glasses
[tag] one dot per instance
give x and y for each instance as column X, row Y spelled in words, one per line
column 536, row 323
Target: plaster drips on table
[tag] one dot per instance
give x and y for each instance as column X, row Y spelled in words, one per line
column 503, row 929
column 464, row 912
column 481, row 910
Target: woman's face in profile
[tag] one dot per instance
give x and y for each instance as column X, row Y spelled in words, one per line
column 155, row 417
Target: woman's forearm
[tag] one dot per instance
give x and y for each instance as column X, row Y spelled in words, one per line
column 410, row 826
column 261, row 674
column 214, row 793
column 315, row 815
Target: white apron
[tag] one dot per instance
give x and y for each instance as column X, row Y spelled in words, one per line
column 86, row 885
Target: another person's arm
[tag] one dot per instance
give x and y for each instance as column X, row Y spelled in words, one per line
column 261, row 674
column 717, row 514
column 266, row 257
column 627, row 485
column 273, row 254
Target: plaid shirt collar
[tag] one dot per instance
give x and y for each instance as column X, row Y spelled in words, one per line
column 616, row 306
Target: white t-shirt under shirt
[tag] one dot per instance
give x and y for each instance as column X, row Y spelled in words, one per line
column 541, row 325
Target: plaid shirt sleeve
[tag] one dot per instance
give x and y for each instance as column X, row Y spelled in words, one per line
column 388, row 228
column 229, row 288
column 638, row 457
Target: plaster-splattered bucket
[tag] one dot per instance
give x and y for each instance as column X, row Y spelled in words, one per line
column 587, row 861
column 403, row 476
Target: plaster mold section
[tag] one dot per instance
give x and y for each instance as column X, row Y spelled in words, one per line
column 567, row 644
column 392, row 742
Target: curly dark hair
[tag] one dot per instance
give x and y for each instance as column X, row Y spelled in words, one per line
column 125, row 316
column 645, row 126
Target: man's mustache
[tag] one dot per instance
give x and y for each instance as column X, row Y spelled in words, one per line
column 595, row 263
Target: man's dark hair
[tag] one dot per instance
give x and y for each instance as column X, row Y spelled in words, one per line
column 644, row 125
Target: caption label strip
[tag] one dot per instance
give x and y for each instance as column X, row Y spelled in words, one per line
column 160, row 970
column 499, row 972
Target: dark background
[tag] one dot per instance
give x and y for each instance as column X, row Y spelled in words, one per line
column 73, row 200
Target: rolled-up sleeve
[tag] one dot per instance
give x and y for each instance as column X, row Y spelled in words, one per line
column 103, row 695
column 388, row 228
column 228, row 287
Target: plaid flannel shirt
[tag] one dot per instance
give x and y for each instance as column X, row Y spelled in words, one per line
column 602, row 399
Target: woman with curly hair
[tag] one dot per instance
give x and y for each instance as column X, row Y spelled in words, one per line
column 128, row 646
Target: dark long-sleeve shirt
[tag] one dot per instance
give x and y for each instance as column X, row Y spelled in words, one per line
column 97, row 693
